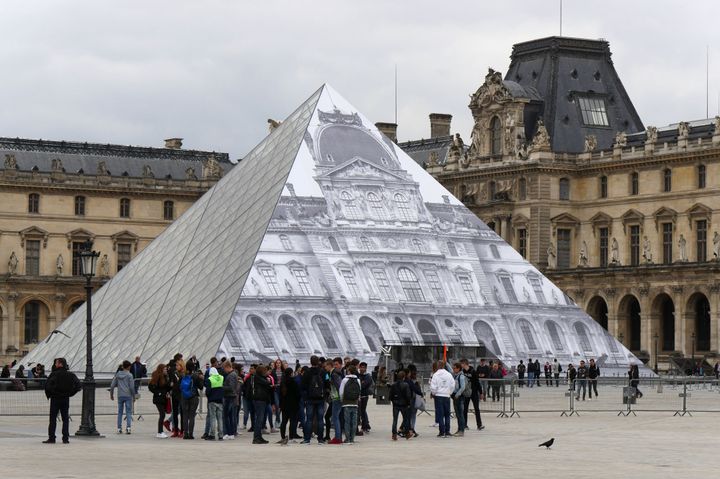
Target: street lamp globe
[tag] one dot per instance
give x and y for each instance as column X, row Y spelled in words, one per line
column 88, row 260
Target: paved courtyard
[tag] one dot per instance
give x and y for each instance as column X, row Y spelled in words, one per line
column 652, row 444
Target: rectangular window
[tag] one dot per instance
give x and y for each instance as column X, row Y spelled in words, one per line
column 435, row 286
column 34, row 203
column 667, row 180
column 603, row 247
column 168, row 210
column 635, row 245
column 509, row 290
column 124, row 208
column 522, row 242
column 701, row 241
column 537, row 287
column 302, row 279
column 667, row 238
column 594, row 112
column 563, row 248
column 634, row 184
column 381, row 280
column 233, row 337
column 124, row 252
column 701, row 176
column 467, row 287
column 32, row 322
column 77, row 248
column 79, row 206
column 349, row 278
column 603, row 187
column 269, row 277
column 564, row 189
column 32, row 257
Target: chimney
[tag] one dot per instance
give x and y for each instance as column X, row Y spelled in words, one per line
column 389, row 129
column 173, row 143
column 440, row 124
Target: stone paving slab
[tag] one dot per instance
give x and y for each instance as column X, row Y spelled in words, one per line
column 592, row 445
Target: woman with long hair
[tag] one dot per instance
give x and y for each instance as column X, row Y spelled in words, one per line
column 277, row 373
column 289, row 404
column 160, row 387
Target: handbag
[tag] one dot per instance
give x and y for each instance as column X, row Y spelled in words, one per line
column 419, row 402
column 168, row 405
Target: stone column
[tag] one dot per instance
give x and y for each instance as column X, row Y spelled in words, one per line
column 714, row 317
column 647, row 322
column 54, row 319
column 13, row 337
column 682, row 338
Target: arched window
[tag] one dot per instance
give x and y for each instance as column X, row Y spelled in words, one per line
column 528, row 333
column 325, row 333
column 486, row 337
column 79, row 206
column 168, row 210
column 495, row 136
column 522, row 189
column 564, row 189
column 494, row 251
column 452, row 249
column 257, row 325
column 366, row 244
column 428, row 332
column 555, row 335
column 33, row 203
column 333, row 243
column 378, row 209
column 371, row 331
column 581, row 331
column 410, row 285
column 292, row 332
column 286, row 244
column 403, row 208
column 32, row 322
column 75, row 306
column 352, row 212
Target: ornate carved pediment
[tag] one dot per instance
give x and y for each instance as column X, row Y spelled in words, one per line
column 262, row 264
column 34, row 232
column 520, row 220
column 492, row 91
column 699, row 212
column 602, row 220
column 664, row 215
column 632, row 217
column 79, row 234
column 296, row 265
column 125, row 236
column 564, row 220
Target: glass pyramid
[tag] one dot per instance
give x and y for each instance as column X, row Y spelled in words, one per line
column 328, row 239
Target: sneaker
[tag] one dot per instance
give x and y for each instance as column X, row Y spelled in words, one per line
column 230, row 437
column 260, row 441
column 127, row 430
column 161, row 435
column 305, row 442
column 335, row 441
column 359, row 433
column 66, row 441
column 274, row 431
column 49, row 441
column 204, row 436
column 119, row 430
column 321, row 442
column 210, row 438
column 459, row 434
column 394, row 437
column 440, row 435
column 481, row 428
column 225, row 436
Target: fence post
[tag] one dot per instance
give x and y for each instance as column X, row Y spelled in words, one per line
column 573, row 411
column 684, row 396
column 513, row 395
column 504, row 398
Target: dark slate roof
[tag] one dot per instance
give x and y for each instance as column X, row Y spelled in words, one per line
column 669, row 134
column 519, row 91
column 560, row 68
column 420, row 150
column 118, row 159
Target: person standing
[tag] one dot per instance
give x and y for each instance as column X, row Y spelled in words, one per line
column 538, row 381
column 571, row 375
column 59, row 388
column 215, row 394
column 159, row 386
column 313, row 388
column 521, row 373
column 496, row 381
column 581, row 380
column 174, row 376
column 442, row 386
column 483, row 371
column 531, row 372
column 593, row 374
column 634, row 376
column 262, row 394
column 367, row 383
column 190, row 386
column 125, row 384
column 400, row 397
column 289, row 405
column 138, row 371
column 458, row 397
column 556, row 369
column 472, row 376
column 336, row 377
column 231, row 389
column 548, row 373
column 350, row 390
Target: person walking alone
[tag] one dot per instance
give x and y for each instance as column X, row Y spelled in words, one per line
column 442, row 386
column 125, row 384
column 59, row 388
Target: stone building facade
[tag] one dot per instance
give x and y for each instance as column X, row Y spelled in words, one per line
column 55, row 195
column 626, row 224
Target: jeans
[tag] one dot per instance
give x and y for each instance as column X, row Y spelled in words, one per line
column 531, row 379
column 442, row 405
column 277, row 407
column 229, row 416
column 189, row 407
column 495, row 391
column 592, row 386
column 351, row 418
column 363, row 415
column 314, row 410
column 484, row 386
column 127, row 403
column 580, row 384
column 521, row 379
column 459, row 403
column 476, row 407
column 248, row 412
column 215, row 411
column 336, row 410
column 61, row 405
column 290, row 417
column 405, row 426
column 260, row 408
column 557, row 380
column 269, row 416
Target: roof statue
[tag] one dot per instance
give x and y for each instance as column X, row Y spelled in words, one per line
column 328, row 239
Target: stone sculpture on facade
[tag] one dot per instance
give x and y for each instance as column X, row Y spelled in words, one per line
column 615, row 252
column 57, row 165
column 105, row 265
column 682, row 244
column 190, row 174
column 102, row 169
column 621, row 139
column 683, row 129
column 541, row 140
column 59, row 265
column 432, row 159
column 456, row 150
column 211, row 168
column 647, row 250
column 651, row 133
column 583, row 261
column 590, row 143
column 10, row 163
column 12, row 264
column 716, row 246
column 551, row 256
column 147, row 172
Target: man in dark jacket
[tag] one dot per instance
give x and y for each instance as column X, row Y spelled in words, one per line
column 581, row 380
column 231, row 388
column 472, row 376
column 366, row 389
column 262, row 395
column 59, row 388
column 313, row 388
column 138, row 371
column 400, row 396
column 521, row 373
column 593, row 374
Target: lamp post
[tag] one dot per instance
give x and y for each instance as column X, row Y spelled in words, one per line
column 88, row 262
column 656, row 338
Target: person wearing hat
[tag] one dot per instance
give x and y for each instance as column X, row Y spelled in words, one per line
column 215, row 395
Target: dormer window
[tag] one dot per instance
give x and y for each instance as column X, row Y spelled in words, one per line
column 593, row 110
column 495, row 137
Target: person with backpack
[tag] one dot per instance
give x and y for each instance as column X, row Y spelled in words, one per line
column 231, row 389
column 190, row 386
column 462, row 390
column 336, row 377
column 262, row 394
column 556, row 369
column 289, row 405
column 471, row 376
column 59, row 388
column 313, row 388
column 215, row 392
column 159, row 386
column 125, row 384
column 521, row 373
column 350, row 390
column 400, row 397
column 368, row 385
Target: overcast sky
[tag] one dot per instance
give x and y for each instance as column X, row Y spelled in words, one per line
column 213, row 72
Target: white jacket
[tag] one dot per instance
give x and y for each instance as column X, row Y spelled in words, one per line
column 442, row 383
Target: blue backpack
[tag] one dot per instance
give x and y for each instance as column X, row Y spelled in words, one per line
column 186, row 386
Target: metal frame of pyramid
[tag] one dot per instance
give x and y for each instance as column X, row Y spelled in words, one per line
column 328, row 239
